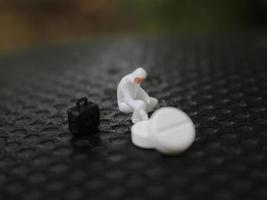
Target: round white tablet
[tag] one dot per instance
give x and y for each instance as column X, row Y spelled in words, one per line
column 140, row 135
column 171, row 130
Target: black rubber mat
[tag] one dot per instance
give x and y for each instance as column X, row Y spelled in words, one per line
column 220, row 82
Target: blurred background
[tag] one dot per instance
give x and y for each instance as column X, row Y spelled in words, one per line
column 28, row 23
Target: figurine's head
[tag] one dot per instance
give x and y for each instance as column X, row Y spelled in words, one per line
column 139, row 75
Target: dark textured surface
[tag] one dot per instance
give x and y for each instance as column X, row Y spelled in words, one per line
column 220, row 82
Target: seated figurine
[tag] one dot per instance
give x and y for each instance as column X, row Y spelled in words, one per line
column 132, row 98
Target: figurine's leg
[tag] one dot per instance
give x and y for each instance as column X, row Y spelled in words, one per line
column 125, row 108
column 139, row 115
column 139, row 112
column 151, row 104
column 140, row 105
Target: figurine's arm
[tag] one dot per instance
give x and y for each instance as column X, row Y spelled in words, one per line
column 142, row 94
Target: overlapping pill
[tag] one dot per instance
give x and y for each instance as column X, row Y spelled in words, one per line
column 171, row 130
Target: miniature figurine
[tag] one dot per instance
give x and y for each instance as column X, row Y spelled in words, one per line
column 132, row 98
column 169, row 130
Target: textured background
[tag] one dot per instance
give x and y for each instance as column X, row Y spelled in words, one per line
column 220, row 82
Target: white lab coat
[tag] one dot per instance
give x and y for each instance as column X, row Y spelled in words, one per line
column 131, row 97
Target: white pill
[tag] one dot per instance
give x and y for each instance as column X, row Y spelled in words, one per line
column 140, row 135
column 171, row 130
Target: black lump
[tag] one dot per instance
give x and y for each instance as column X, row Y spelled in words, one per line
column 83, row 119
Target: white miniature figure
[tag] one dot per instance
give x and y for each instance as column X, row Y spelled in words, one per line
column 131, row 96
column 169, row 130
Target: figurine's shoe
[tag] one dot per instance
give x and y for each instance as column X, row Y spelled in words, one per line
column 135, row 120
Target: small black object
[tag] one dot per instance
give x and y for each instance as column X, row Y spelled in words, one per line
column 84, row 117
